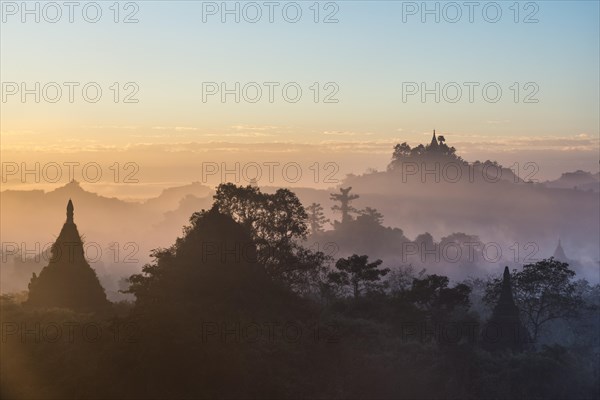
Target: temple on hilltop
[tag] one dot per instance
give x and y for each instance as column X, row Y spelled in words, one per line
column 67, row 281
column 437, row 150
column 504, row 330
column 438, row 146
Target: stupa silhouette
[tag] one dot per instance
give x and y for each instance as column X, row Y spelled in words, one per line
column 68, row 280
column 504, row 330
column 559, row 254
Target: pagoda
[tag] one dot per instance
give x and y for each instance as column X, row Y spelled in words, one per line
column 504, row 330
column 67, row 281
column 559, row 253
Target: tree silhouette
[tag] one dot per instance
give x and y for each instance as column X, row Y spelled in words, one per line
column 345, row 198
column 401, row 151
column 316, row 218
column 371, row 215
column 272, row 218
column 192, row 304
column 433, row 295
column 277, row 223
column 215, row 258
column 356, row 272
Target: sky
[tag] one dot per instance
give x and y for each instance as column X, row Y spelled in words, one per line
column 360, row 76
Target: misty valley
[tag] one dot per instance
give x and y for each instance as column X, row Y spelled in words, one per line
column 390, row 285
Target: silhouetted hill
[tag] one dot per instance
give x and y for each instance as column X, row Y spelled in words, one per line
column 443, row 193
column 22, row 209
column 580, row 180
column 170, row 198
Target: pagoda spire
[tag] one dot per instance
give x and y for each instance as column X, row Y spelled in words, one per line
column 506, row 296
column 505, row 324
column 70, row 212
column 559, row 253
column 434, row 143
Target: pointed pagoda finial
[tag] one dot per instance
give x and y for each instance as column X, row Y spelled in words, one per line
column 70, row 212
column 434, row 142
column 506, row 276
